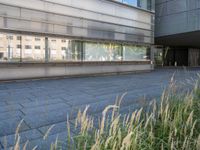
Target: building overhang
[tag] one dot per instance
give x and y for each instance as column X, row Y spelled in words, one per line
column 189, row 39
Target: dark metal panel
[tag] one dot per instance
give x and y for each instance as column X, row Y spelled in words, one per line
column 176, row 17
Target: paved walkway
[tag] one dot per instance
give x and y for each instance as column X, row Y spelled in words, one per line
column 43, row 103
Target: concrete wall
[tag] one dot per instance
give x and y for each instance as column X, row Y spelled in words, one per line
column 92, row 19
column 177, row 16
column 36, row 70
column 80, row 19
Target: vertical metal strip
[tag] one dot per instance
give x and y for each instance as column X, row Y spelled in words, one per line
column 46, row 50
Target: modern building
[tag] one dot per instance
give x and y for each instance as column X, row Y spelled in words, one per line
column 177, row 32
column 46, row 38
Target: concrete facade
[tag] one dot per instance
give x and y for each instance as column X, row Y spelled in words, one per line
column 107, row 23
column 91, row 19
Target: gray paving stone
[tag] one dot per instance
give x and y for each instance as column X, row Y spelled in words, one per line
column 38, row 98
column 40, row 120
column 56, row 128
column 83, row 101
column 107, row 97
column 59, row 91
column 2, row 103
column 39, row 93
column 63, row 96
column 41, row 102
column 45, row 144
column 16, row 98
column 9, row 126
column 45, row 108
column 10, row 114
column 17, row 101
column 4, row 93
column 10, row 140
column 10, row 108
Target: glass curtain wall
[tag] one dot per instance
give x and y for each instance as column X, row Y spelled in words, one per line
column 15, row 48
column 33, row 49
column 135, row 53
column 64, row 50
column 26, row 48
column 144, row 4
column 102, row 52
column 9, row 48
column 54, row 50
column 76, row 50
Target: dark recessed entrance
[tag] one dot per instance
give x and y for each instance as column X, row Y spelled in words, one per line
column 176, row 57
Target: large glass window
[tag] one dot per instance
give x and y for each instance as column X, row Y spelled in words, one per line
column 75, row 50
column 9, row 51
column 130, row 2
column 15, row 48
column 33, row 50
column 55, row 52
column 102, row 52
column 135, row 53
column 144, row 4
column 64, row 50
column 26, row 48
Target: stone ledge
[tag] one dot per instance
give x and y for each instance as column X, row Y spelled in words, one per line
column 48, row 70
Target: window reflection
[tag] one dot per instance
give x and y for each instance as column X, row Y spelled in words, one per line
column 14, row 48
column 131, row 53
column 9, row 48
column 144, row 4
column 102, row 52
column 75, row 50
column 64, row 50
column 33, row 49
column 25, row 48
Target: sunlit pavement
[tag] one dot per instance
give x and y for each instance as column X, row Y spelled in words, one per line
column 43, row 103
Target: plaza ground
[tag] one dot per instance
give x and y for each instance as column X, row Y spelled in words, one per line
column 40, row 104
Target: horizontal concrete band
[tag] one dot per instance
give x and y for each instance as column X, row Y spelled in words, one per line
column 45, row 70
column 89, row 19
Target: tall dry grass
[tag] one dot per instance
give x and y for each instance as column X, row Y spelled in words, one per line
column 173, row 123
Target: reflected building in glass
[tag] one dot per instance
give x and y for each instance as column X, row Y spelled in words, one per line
column 47, row 31
column 25, row 48
column 144, row 4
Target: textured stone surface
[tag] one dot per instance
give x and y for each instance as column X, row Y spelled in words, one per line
column 24, row 137
column 42, row 104
column 9, row 126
